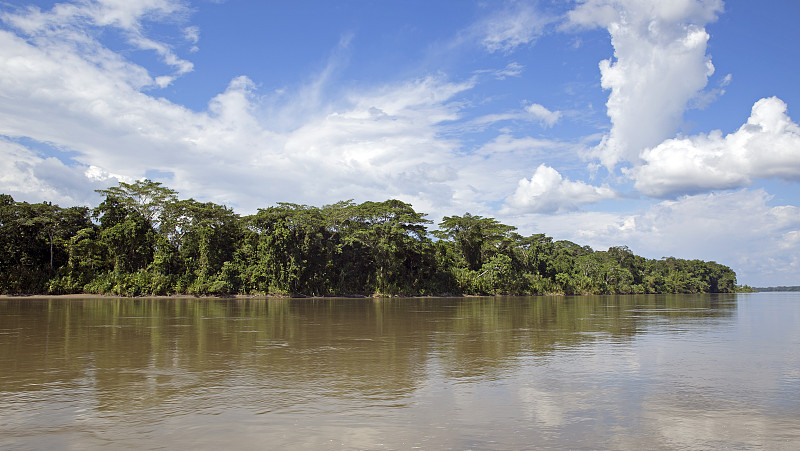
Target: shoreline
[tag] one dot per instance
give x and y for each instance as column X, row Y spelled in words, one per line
column 236, row 296
column 353, row 296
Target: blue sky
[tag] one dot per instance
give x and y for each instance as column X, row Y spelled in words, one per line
column 663, row 126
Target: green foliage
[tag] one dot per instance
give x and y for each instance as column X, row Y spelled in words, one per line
column 146, row 241
column 35, row 241
column 130, row 243
column 477, row 238
column 146, row 197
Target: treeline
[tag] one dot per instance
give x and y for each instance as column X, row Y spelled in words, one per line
column 776, row 289
column 143, row 240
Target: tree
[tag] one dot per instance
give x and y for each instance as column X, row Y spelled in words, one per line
column 476, row 237
column 147, row 241
column 498, row 275
column 401, row 249
column 34, row 239
column 130, row 243
column 534, row 253
column 196, row 240
column 146, row 197
column 126, row 234
column 294, row 249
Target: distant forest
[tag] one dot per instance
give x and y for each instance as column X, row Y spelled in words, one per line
column 765, row 289
column 143, row 240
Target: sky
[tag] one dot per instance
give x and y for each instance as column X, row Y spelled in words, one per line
column 662, row 126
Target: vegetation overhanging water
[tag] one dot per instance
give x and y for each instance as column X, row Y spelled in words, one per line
column 143, row 240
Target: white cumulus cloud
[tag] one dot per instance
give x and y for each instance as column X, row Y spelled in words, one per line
column 767, row 146
column 548, row 192
column 659, row 66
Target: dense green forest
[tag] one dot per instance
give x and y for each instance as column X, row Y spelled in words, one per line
column 143, row 240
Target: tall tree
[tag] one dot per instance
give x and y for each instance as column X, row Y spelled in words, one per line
column 477, row 238
column 146, row 197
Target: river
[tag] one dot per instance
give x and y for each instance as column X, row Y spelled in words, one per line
column 588, row 372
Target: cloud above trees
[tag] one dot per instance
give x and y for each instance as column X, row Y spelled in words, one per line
column 548, row 192
column 79, row 115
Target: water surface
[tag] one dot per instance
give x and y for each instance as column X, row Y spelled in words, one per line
column 622, row 372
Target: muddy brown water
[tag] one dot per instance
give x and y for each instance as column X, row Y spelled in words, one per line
column 588, row 372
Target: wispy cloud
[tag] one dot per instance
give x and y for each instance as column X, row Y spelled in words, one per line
column 71, row 25
column 512, row 69
column 545, row 116
column 708, row 96
column 372, row 143
column 531, row 113
column 517, row 25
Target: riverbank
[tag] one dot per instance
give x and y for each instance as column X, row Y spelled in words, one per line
column 285, row 296
column 234, row 296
